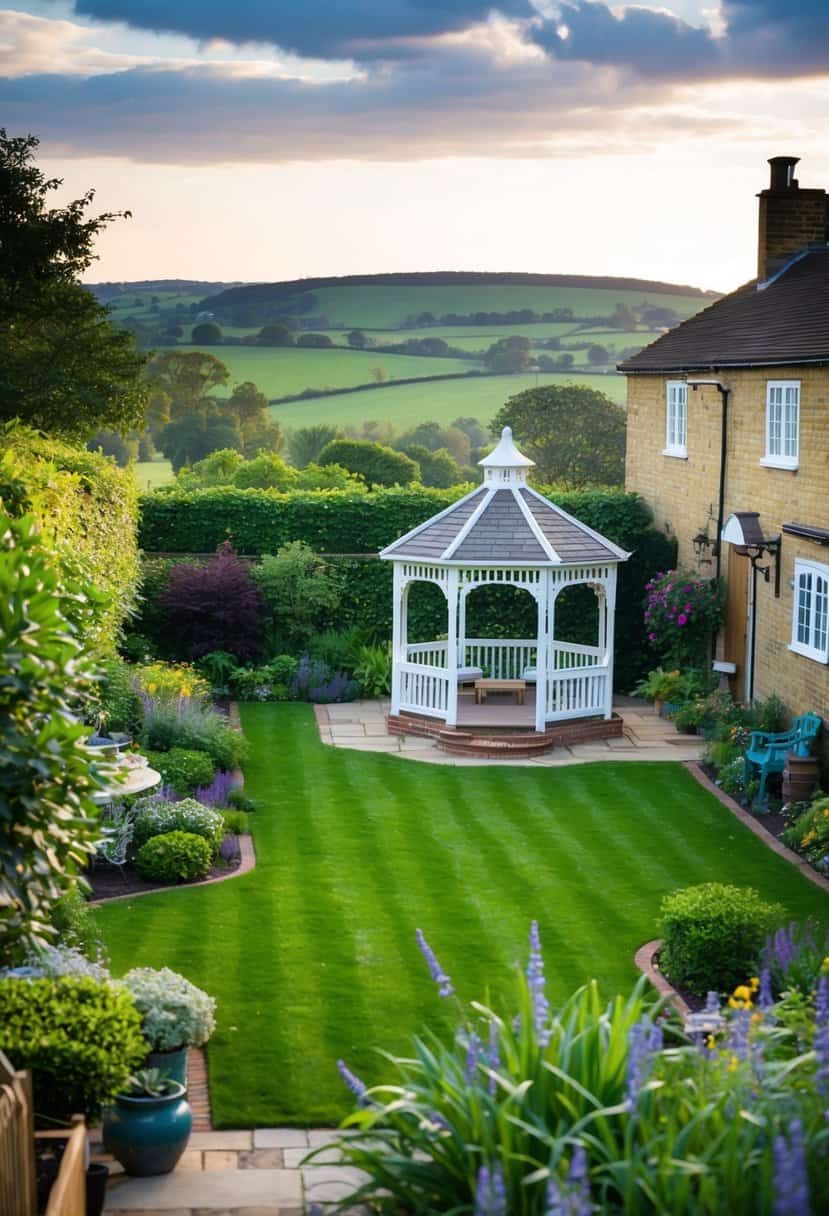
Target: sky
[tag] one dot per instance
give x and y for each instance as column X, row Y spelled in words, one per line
column 278, row 139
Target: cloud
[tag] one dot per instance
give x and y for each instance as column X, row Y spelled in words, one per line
column 30, row 44
column 753, row 38
column 360, row 29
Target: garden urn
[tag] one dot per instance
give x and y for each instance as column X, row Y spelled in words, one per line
column 147, row 1135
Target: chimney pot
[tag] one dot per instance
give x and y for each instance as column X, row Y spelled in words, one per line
column 782, row 172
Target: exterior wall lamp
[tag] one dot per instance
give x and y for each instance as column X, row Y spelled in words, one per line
column 742, row 529
column 703, row 546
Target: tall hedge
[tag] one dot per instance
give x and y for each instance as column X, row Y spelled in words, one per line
column 337, row 522
column 87, row 511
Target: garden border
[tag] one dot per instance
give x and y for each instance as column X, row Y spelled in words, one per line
column 247, row 863
column 644, row 959
column 754, row 825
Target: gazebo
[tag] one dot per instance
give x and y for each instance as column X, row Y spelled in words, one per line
column 503, row 533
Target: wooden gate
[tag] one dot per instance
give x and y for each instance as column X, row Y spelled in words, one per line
column 736, row 619
column 18, row 1192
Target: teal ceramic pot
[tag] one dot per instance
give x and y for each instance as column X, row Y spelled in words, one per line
column 148, row 1135
column 172, row 1063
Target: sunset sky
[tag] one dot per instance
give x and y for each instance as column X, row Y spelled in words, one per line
column 274, row 139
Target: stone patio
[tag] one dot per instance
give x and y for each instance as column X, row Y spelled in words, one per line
column 237, row 1173
column 361, row 726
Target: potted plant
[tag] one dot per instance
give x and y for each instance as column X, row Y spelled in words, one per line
column 661, row 687
column 176, row 1015
column 149, row 1124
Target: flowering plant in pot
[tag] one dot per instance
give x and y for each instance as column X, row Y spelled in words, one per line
column 148, row 1126
column 176, row 1015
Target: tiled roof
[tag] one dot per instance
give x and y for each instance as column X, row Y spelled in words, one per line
column 491, row 525
column 784, row 322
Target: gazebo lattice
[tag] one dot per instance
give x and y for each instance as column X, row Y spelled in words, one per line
column 504, row 533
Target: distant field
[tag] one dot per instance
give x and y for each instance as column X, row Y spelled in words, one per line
column 405, row 405
column 383, row 306
column 150, row 474
column 280, row 371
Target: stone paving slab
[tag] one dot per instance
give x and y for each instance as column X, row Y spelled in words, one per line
column 280, row 1137
column 275, row 1190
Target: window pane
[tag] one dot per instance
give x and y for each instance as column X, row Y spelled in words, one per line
column 804, row 598
column 821, row 623
column 682, row 417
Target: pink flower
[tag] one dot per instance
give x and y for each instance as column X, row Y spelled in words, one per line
column 687, row 607
column 682, row 619
column 651, row 637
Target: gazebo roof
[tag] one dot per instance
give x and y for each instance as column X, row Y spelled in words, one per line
column 504, row 522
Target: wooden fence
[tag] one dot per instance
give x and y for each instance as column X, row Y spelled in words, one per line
column 18, row 1193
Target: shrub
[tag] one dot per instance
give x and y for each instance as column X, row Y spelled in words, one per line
column 236, row 822
column 217, row 667
column 81, row 1039
column 47, row 818
column 117, row 703
column 240, row 801
column 372, row 670
column 809, row 834
column 270, row 682
column 171, row 681
column 75, row 925
column 682, row 611
column 215, row 607
column 298, row 591
column 175, row 1012
column 195, row 727
column 174, row 857
column 87, row 511
column 712, row 935
column 185, row 816
column 52, row 962
column 314, row 681
column 338, row 649
column 183, row 768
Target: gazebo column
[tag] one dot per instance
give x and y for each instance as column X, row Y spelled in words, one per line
column 609, row 637
column 462, row 596
column 543, row 653
column 452, row 583
column 399, row 635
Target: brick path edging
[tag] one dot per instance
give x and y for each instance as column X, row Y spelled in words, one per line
column 757, row 828
column 644, row 959
column 247, row 863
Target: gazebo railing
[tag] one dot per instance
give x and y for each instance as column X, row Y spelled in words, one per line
column 424, row 689
column 429, row 654
column 578, row 692
column 508, row 658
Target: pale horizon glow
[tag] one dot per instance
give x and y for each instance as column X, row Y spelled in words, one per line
column 472, row 149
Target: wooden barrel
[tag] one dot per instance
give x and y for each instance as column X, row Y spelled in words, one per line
column 800, row 777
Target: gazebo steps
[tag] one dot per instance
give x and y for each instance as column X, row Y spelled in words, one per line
column 490, row 743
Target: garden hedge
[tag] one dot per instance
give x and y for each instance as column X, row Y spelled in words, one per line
column 355, row 527
column 87, row 510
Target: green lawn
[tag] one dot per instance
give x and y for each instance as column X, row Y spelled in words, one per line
column 150, row 474
column 281, row 371
column 312, row 956
column 405, row 405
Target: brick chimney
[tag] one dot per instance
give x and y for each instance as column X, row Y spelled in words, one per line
column 790, row 218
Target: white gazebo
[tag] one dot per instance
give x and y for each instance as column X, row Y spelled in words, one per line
column 503, row 534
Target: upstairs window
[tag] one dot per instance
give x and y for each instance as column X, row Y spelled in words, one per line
column 676, row 420
column 782, row 424
column 810, row 611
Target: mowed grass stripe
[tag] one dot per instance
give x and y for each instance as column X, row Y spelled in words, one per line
column 312, row 956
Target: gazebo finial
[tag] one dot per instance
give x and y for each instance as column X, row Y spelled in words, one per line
column 506, row 465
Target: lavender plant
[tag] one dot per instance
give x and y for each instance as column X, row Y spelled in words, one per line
column 594, row 1107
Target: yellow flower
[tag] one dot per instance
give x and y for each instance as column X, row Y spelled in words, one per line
column 754, row 983
column 710, row 1042
column 742, row 992
column 732, row 1064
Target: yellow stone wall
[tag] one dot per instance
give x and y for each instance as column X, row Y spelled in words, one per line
column 684, row 495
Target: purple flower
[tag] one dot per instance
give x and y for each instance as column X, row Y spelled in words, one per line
column 435, row 970
column 357, row 1087
column 574, row 1199
column 779, row 950
column 765, row 998
column 738, row 1033
column 216, row 793
column 822, row 1035
column 791, row 1181
column 682, row 619
column 536, row 982
column 644, row 1040
column 473, row 1055
column 651, row 637
column 490, row 1192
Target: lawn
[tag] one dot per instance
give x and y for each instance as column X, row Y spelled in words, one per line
column 405, row 405
column 312, row 956
column 150, row 474
column 281, row 371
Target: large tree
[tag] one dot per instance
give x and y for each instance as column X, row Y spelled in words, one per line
column 64, row 368
column 186, row 376
column 575, row 435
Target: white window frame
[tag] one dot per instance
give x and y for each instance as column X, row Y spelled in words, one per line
column 676, row 419
column 810, row 610
column 782, row 424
